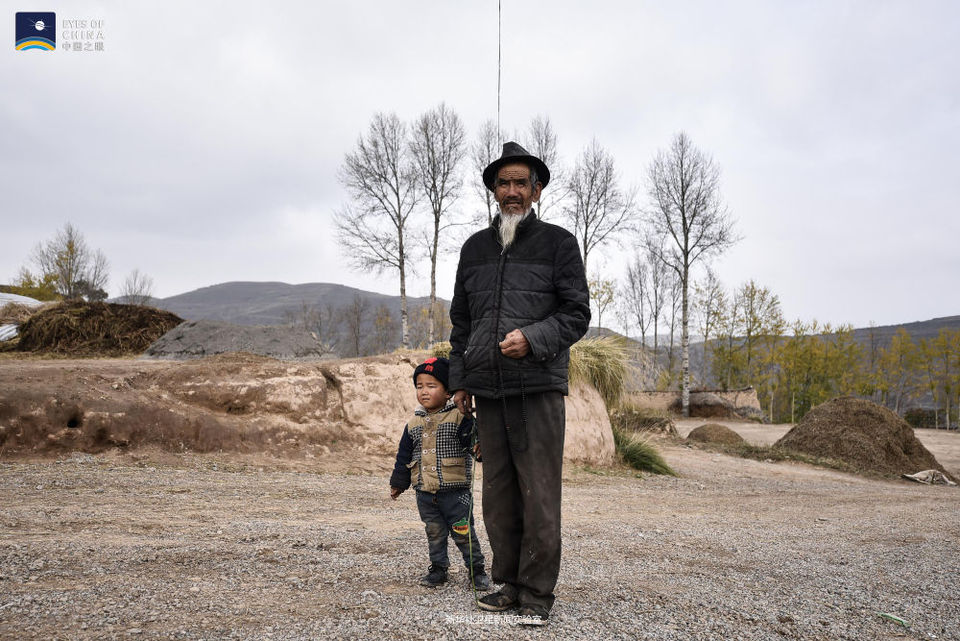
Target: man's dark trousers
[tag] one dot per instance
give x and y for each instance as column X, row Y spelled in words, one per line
column 521, row 492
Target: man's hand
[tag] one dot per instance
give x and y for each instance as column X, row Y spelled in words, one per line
column 395, row 492
column 515, row 345
column 464, row 401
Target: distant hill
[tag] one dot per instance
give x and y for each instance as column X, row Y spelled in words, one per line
column 917, row 330
column 881, row 336
column 271, row 303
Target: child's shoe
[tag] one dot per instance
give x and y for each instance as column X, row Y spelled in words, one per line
column 480, row 579
column 436, row 575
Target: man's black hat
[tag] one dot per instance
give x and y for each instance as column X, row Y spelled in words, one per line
column 513, row 152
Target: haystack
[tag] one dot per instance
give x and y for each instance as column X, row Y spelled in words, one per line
column 94, row 329
column 868, row 437
column 715, row 433
column 15, row 313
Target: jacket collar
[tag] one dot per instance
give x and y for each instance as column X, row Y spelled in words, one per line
column 443, row 410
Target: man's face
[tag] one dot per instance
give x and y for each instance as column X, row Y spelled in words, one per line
column 513, row 191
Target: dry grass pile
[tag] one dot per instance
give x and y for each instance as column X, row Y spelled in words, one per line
column 95, row 329
column 602, row 362
column 867, row 437
column 16, row 313
column 715, row 433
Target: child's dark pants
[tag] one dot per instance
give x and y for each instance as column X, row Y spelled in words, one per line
column 440, row 512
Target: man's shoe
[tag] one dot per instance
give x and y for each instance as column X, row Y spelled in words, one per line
column 532, row 615
column 480, row 580
column 436, row 575
column 496, row 602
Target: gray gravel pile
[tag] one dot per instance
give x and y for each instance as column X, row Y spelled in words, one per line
column 197, row 339
column 208, row 549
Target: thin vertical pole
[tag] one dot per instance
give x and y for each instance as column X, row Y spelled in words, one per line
column 499, row 25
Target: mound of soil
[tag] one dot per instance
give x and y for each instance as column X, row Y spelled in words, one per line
column 79, row 328
column 868, row 437
column 707, row 405
column 715, row 433
column 202, row 338
column 640, row 419
column 237, row 403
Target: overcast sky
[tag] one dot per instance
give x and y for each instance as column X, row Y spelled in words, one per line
column 202, row 144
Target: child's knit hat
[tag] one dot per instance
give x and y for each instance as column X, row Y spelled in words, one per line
column 439, row 368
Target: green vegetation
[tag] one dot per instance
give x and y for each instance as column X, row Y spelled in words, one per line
column 637, row 452
column 797, row 366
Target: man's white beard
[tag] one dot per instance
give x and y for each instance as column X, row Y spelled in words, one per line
column 508, row 228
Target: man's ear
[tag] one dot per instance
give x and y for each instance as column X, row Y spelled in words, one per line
column 536, row 192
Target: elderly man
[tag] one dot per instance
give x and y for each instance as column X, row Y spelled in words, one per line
column 520, row 301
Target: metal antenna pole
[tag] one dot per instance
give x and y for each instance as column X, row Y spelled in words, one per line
column 499, row 26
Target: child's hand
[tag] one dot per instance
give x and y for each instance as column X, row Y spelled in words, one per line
column 395, row 492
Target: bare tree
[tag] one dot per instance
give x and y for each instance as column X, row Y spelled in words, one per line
column 381, row 181
column 137, row 289
column 438, row 147
column 541, row 141
column 322, row 321
column 599, row 210
column 673, row 297
column 383, row 338
column 659, row 288
column 485, row 149
column 633, row 296
column 687, row 211
column 710, row 303
column 354, row 317
column 79, row 271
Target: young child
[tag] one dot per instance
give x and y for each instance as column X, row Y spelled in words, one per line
column 434, row 456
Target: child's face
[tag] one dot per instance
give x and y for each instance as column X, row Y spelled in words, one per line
column 430, row 392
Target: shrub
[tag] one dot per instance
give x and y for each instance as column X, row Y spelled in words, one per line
column 639, row 453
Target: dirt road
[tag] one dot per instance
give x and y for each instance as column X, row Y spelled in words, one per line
column 221, row 547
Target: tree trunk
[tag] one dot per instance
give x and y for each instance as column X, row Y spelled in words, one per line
column 404, row 324
column 433, row 279
column 685, row 347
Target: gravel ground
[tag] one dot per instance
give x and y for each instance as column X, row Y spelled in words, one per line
column 107, row 547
